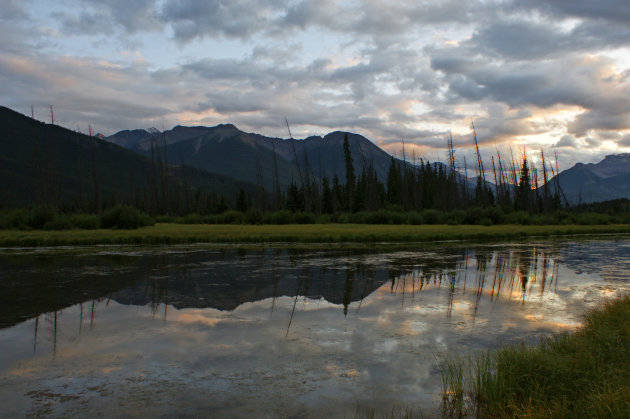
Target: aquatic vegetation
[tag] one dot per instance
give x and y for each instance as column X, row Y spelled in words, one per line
column 585, row 373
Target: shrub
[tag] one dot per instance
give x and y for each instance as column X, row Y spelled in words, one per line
column 85, row 221
column 191, row 219
column 590, row 218
column 125, row 217
column 60, row 222
column 344, row 218
column 40, row 215
column 303, row 218
column 432, row 216
column 278, row 217
column 456, row 217
column 496, row 214
column 518, row 217
column 230, row 217
column 473, row 215
column 254, row 216
column 323, row 219
column 14, row 219
column 414, row 218
column 562, row 217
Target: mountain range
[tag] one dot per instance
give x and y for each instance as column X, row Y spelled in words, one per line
column 44, row 163
column 253, row 158
column 41, row 162
column 594, row 182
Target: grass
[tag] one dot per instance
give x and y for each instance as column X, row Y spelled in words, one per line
column 166, row 233
column 581, row 374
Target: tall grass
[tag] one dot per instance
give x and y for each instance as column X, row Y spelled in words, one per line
column 580, row 374
column 165, row 233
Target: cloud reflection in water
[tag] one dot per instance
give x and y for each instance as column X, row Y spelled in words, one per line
column 287, row 332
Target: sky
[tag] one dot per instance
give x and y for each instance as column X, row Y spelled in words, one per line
column 529, row 74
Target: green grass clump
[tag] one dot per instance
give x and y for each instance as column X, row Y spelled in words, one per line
column 581, row 374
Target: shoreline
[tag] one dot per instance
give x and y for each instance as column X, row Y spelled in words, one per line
column 169, row 233
column 582, row 372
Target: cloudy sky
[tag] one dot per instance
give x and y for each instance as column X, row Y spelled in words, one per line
column 530, row 74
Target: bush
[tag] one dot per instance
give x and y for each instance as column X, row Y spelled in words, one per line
column 278, row 217
column 590, row 218
column 344, row 218
column 473, row 215
column 562, row 217
column 379, row 217
column 432, row 216
column 414, row 218
column 230, row 217
column 40, row 215
column 542, row 219
column 496, row 214
column 191, row 219
column 518, row 217
column 456, row 217
column 60, row 222
column 85, row 221
column 14, row 219
column 324, row 219
column 254, row 216
column 303, row 218
column 125, row 217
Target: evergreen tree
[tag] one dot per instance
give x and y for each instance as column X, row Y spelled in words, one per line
column 522, row 201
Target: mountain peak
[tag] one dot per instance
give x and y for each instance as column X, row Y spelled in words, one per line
column 612, row 165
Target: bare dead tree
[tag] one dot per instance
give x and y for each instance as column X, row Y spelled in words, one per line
column 94, row 175
column 297, row 163
column 276, row 181
column 482, row 173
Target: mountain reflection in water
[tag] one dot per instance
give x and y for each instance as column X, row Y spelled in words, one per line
column 279, row 331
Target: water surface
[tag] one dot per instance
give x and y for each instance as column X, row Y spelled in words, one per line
column 231, row 332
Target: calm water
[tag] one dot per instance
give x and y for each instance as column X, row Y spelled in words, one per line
column 230, row 332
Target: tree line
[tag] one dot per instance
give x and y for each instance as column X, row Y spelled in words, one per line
column 508, row 190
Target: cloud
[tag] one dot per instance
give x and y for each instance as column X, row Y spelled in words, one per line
column 568, row 141
column 12, row 9
column 518, row 39
column 609, row 10
column 105, row 16
column 524, row 71
column 191, row 19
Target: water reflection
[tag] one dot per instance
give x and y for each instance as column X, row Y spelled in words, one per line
column 236, row 331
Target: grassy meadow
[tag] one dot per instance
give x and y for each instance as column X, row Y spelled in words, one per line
column 581, row 374
column 169, row 233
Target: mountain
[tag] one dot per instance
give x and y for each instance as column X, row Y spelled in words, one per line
column 44, row 163
column 253, row 157
column 594, row 182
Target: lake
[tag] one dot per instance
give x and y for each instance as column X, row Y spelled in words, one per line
column 223, row 331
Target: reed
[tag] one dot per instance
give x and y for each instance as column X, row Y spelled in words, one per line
column 581, row 374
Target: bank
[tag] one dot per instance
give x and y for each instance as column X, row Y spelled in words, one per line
column 167, row 233
column 585, row 373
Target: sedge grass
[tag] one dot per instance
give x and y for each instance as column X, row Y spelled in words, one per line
column 580, row 374
column 167, row 233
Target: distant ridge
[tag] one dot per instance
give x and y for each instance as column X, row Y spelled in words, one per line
column 594, row 182
column 47, row 164
column 250, row 157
